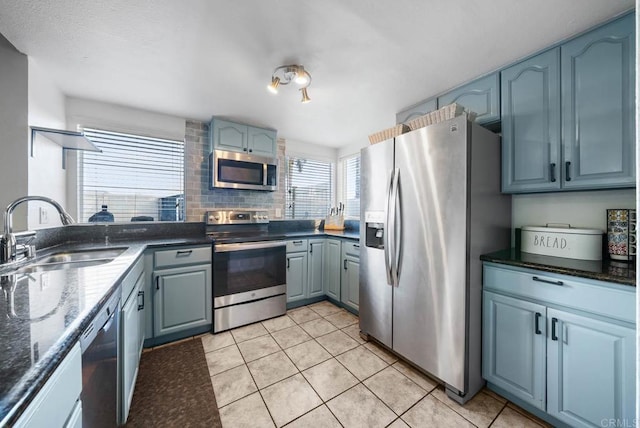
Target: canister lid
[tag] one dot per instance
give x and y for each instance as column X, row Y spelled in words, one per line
column 563, row 229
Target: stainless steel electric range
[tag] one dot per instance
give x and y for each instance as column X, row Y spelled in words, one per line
column 249, row 268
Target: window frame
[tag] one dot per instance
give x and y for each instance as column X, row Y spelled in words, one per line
column 79, row 161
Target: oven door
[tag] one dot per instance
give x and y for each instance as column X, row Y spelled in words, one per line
column 248, row 271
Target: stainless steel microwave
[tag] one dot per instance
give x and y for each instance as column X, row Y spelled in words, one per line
column 231, row 170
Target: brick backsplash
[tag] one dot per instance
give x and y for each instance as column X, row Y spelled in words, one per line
column 200, row 198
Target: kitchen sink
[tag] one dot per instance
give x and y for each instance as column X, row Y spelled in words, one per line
column 82, row 256
column 72, row 260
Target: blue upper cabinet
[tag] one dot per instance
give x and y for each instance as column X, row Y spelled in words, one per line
column 480, row 96
column 262, row 142
column 598, row 125
column 531, row 156
column 416, row 111
column 236, row 137
column 568, row 115
column 228, row 135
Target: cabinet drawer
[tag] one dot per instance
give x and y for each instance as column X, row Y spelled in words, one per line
column 131, row 279
column 182, row 256
column 598, row 297
column 297, row 245
column 57, row 398
column 351, row 248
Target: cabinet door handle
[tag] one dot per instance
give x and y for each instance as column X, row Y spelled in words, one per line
column 245, row 149
column 250, row 150
column 180, row 253
column 310, row 248
column 567, row 171
column 554, row 321
column 157, row 283
column 559, row 283
column 538, row 315
column 345, row 264
column 288, row 263
column 552, row 172
column 141, row 306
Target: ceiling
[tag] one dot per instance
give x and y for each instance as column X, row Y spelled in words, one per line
column 369, row 59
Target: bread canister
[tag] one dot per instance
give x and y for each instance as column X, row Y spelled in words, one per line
column 562, row 241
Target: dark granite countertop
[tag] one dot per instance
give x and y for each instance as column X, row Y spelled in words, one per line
column 605, row 270
column 44, row 313
column 345, row 234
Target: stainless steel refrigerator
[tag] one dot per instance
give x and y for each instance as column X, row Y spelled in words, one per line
column 430, row 205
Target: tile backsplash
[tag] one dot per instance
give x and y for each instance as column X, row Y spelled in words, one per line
column 200, row 198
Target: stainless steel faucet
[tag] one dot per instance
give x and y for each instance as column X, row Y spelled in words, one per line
column 9, row 248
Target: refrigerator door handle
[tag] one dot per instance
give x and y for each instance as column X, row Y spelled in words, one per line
column 397, row 219
column 388, row 251
column 392, row 226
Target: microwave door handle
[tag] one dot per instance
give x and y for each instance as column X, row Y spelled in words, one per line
column 264, row 174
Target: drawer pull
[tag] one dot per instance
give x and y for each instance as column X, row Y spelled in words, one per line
column 356, row 246
column 547, row 281
column 538, row 315
column 297, row 242
column 180, row 253
column 554, row 321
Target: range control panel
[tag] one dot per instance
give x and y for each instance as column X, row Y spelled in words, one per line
column 231, row 216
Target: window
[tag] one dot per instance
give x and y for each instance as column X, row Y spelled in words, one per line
column 309, row 185
column 138, row 178
column 351, row 186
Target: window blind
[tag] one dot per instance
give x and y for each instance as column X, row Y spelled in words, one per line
column 137, row 177
column 309, row 185
column 351, row 186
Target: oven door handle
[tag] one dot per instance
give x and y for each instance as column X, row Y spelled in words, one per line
column 225, row 248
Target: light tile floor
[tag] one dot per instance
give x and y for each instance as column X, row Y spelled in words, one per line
column 310, row 368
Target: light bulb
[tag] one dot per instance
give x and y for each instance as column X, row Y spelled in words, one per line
column 273, row 86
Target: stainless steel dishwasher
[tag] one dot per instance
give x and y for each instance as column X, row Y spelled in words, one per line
column 99, row 344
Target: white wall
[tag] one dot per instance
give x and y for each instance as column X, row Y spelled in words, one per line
column 580, row 209
column 313, row 151
column 13, row 129
column 46, row 176
column 112, row 117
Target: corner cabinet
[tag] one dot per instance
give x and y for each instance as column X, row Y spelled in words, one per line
column 482, row 96
column 182, row 291
column 332, row 268
column 568, row 114
column 315, row 265
column 236, row 137
column 350, row 278
column 561, row 345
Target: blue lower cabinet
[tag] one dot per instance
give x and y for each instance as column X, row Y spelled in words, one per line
column 557, row 349
column 296, row 276
column 591, row 371
column 513, row 348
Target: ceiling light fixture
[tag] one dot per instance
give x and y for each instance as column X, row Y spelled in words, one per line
column 286, row 74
